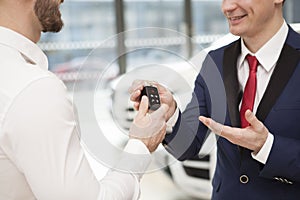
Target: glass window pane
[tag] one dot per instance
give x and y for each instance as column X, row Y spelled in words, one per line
column 208, row 17
column 166, row 19
column 154, row 13
column 86, row 25
column 291, row 11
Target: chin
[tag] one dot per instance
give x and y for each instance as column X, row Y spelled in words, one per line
column 235, row 31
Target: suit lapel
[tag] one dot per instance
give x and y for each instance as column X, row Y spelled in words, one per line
column 232, row 88
column 284, row 69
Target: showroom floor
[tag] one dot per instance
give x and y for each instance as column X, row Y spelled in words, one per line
column 158, row 186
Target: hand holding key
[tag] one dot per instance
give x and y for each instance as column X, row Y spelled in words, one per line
column 149, row 128
column 152, row 93
column 165, row 95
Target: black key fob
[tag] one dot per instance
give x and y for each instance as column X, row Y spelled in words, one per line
column 153, row 96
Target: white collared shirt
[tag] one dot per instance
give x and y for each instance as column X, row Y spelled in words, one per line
column 40, row 153
column 267, row 57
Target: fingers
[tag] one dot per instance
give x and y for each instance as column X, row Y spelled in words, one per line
column 166, row 96
column 136, row 85
column 252, row 137
column 252, row 119
column 159, row 87
column 219, row 129
column 212, row 125
column 135, row 90
column 136, row 105
column 135, row 96
column 139, row 85
column 205, row 120
column 143, row 109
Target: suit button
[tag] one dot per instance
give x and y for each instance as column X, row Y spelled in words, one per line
column 244, row 179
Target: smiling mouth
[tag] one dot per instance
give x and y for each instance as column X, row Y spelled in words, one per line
column 236, row 18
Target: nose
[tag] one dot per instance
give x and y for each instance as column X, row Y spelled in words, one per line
column 228, row 5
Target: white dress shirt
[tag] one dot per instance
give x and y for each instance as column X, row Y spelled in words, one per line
column 267, row 57
column 40, row 153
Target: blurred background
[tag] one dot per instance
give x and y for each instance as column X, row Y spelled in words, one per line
column 105, row 44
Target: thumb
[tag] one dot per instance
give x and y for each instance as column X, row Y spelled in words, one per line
column 252, row 119
column 143, row 109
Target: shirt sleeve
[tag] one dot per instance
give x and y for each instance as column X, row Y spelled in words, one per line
column 42, row 139
column 263, row 154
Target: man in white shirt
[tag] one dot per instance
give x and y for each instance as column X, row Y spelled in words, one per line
column 251, row 86
column 40, row 153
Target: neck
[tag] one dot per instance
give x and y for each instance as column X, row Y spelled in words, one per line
column 20, row 18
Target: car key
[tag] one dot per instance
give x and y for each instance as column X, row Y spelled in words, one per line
column 153, row 96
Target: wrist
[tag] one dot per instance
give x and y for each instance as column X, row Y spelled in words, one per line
column 172, row 110
column 261, row 144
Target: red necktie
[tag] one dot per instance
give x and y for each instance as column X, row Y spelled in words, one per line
column 250, row 90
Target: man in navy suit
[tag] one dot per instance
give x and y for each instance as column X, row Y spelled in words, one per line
column 258, row 158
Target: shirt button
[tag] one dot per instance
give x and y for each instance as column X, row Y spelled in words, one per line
column 244, row 179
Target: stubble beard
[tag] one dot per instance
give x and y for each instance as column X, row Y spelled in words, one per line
column 49, row 15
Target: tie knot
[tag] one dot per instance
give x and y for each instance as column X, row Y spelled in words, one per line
column 253, row 62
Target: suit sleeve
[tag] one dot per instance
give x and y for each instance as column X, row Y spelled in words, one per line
column 208, row 99
column 283, row 161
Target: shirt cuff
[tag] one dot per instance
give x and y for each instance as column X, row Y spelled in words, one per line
column 135, row 158
column 136, row 146
column 263, row 154
column 172, row 121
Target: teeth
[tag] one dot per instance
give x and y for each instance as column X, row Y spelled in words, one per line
column 235, row 18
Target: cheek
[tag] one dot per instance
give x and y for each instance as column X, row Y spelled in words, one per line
column 262, row 18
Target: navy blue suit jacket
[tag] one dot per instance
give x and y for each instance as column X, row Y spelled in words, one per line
column 217, row 94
